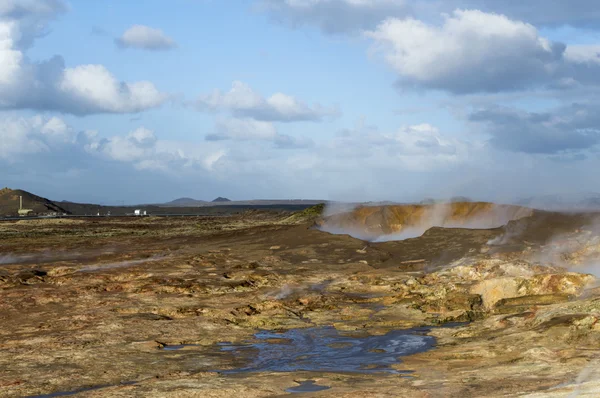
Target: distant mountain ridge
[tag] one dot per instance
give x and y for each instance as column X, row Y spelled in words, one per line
column 9, row 206
column 221, row 200
column 184, row 202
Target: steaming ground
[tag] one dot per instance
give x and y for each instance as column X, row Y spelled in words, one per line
column 8, row 259
column 120, row 264
column 49, row 256
column 400, row 222
column 160, row 300
column 575, row 246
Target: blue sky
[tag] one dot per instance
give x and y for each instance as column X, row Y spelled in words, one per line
column 331, row 99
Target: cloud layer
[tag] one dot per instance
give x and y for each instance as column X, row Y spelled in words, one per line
column 335, row 16
column 566, row 129
column 363, row 163
column 255, row 130
column 27, row 136
column 522, row 116
column 584, row 13
column 351, row 16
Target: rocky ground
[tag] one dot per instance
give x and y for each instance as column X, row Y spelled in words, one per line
column 96, row 306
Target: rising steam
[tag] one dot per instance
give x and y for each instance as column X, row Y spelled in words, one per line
column 387, row 223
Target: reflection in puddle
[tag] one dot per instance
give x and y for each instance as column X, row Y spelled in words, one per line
column 178, row 347
column 307, row 386
column 325, row 350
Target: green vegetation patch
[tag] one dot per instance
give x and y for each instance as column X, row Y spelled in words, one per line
column 305, row 215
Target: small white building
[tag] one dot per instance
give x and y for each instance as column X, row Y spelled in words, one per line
column 139, row 212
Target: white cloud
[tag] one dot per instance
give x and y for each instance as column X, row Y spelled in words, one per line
column 23, row 136
column 24, row 7
column 583, row 54
column 243, row 102
column 30, row 18
column 146, row 38
column 141, row 149
column 471, row 52
column 335, row 16
column 143, row 137
column 424, row 140
column 137, row 146
column 122, row 148
column 213, row 158
column 93, row 87
column 49, row 85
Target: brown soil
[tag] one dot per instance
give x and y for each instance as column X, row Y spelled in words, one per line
column 93, row 303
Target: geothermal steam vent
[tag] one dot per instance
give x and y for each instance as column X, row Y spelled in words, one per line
column 384, row 223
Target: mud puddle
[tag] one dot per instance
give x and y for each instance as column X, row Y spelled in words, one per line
column 325, row 350
column 179, row 347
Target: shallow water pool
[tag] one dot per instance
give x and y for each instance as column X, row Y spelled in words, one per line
column 324, row 349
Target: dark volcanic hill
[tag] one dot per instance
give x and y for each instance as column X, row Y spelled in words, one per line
column 9, row 203
column 221, row 200
column 185, row 202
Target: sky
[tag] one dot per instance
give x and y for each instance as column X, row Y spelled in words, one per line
column 354, row 100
